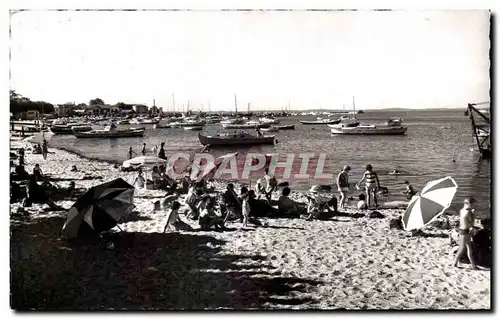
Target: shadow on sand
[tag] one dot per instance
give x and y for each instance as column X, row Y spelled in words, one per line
column 142, row 271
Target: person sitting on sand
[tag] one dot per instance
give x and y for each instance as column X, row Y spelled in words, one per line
column 21, row 173
column 37, row 173
column 208, row 217
column 191, row 201
column 362, row 202
column 174, row 221
column 231, row 203
column 343, row 184
column 37, row 149
column 139, row 180
column 155, row 175
column 37, row 195
column 409, row 191
column 73, row 168
column 317, row 203
column 482, row 244
column 372, row 183
column 465, row 226
column 286, row 206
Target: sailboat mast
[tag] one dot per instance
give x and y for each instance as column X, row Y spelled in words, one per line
column 173, row 102
column 354, row 107
column 209, row 110
column 236, row 105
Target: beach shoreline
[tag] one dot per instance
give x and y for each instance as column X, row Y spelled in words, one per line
column 344, row 263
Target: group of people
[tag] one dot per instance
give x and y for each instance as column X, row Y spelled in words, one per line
column 158, row 152
column 372, row 187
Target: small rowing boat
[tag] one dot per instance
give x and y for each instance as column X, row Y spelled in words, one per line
column 238, row 139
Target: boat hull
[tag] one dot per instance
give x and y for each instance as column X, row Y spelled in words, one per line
column 245, row 126
column 285, row 127
column 234, row 140
column 370, row 131
column 319, row 122
column 109, row 134
column 193, row 128
column 61, row 130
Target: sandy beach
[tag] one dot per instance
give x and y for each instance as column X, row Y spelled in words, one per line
column 349, row 262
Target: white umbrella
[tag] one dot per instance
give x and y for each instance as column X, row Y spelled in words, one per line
column 39, row 137
column 431, row 202
column 145, row 161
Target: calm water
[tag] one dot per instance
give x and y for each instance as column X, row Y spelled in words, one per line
column 426, row 152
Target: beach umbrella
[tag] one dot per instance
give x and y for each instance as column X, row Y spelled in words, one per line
column 39, row 137
column 431, row 202
column 145, row 161
column 101, row 207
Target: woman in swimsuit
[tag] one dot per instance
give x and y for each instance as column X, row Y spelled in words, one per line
column 371, row 184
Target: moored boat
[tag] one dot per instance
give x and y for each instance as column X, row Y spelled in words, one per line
column 392, row 127
column 320, row 122
column 160, row 126
column 270, row 129
column 242, row 138
column 248, row 125
column 111, row 132
column 269, row 120
column 193, row 128
column 285, row 127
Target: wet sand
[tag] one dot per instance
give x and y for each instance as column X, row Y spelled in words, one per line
column 350, row 262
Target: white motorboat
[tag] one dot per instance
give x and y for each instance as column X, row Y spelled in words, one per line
column 392, row 127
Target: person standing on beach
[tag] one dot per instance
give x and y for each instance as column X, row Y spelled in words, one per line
column 343, row 184
column 131, row 152
column 466, row 224
column 161, row 152
column 372, row 183
column 21, row 156
column 45, row 149
column 143, row 151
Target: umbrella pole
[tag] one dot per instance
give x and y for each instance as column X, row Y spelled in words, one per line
column 119, row 227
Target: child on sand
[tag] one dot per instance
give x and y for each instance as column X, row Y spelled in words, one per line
column 362, row 202
column 143, row 151
column 245, row 206
column 139, row 179
column 466, row 224
column 208, row 217
column 409, row 191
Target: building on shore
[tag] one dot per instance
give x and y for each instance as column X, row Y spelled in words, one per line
column 65, row 110
column 140, row 109
column 30, row 115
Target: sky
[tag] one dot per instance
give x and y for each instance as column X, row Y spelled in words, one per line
column 398, row 59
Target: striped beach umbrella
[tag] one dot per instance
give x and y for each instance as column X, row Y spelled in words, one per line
column 431, row 202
